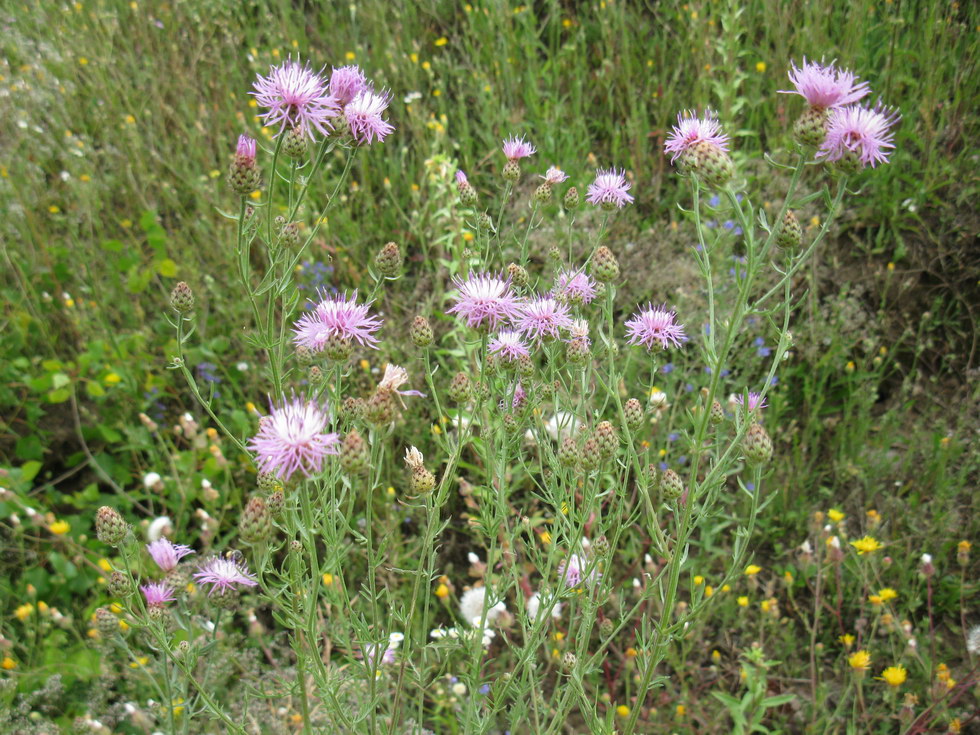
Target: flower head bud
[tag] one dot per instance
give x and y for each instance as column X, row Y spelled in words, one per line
column 568, row 660
column 577, row 350
column 525, row 366
column 255, row 524
column 423, row 482
column 110, row 528
column 542, row 195
column 711, row 163
column 671, row 486
column 484, row 223
column 304, row 356
column 633, row 410
column 315, row 375
column 460, row 388
column 276, row 502
column 790, row 234
column 717, row 413
column 119, row 585
column 467, row 194
column 568, row 452
column 106, row 623
column 511, row 424
column 243, row 174
column 963, row 553
column 757, row 445
column 605, row 267
column 592, row 454
column 288, row 232
column 294, row 144
column 352, row 409
column 518, row 275
column 380, row 407
column 606, row 627
column 338, row 347
column 512, row 171
column 571, row 200
column 268, row 481
column 354, row 456
column 608, row 441
column 182, row 298
column 389, row 260
column 811, row 127
column 421, row 332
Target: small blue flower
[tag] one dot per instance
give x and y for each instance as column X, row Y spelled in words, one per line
column 667, row 369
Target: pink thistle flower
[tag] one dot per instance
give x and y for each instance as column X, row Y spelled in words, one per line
column 157, row 593
column 825, row 86
column 166, row 554
column 572, row 571
column 517, row 148
column 461, row 179
column 346, row 82
column 609, row 189
column 653, row 326
column 245, row 151
column 395, row 377
column 508, row 345
column 580, row 330
column 554, row 175
column 575, row 287
column 363, row 115
column 692, row 130
column 296, row 97
column 292, row 439
column 862, row 131
column 485, row 299
column 543, row 317
column 755, row 401
column 224, row 575
column 337, row 316
column 520, row 396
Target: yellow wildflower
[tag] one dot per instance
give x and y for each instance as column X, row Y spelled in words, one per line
column 866, row 545
column 887, row 594
column 847, row 639
column 699, row 580
column 859, row 660
column 441, row 41
column 327, row 579
column 59, row 528
column 835, row 515
column 442, row 592
column 631, row 652
column 894, row 675
column 8, row 663
column 760, row 66
column 24, row 611
column 623, row 711
column 743, row 601
column 752, row 569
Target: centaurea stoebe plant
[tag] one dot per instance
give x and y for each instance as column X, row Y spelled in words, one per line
column 541, row 409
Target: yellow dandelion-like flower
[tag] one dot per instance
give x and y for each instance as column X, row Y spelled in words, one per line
column 760, row 66
column 59, row 528
column 894, row 676
column 140, row 662
column 716, row 656
column 623, row 711
column 350, row 56
column 558, row 635
column 8, row 663
column 743, row 601
column 426, row 65
column 847, row 639
column 24, row 611
column 681, row 710
column 631, row 652
column 442, row 592
column 866, row 545
column 440, row 41
column 875, row 600
column 859, row 660
column 699, row 580
column 726, row 588
column 123, row 625
column 835, row 515
column 104, row 565
column 887, row 594
column 545, row 538
column 709, row 591
column 752, row 569
column 327, row 579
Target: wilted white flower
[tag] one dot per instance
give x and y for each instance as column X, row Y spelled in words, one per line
column 658, row 398
column 413, row 458
column 152, row 481
column 973, row 640
column 158, row 528
column 471, row 606
column 534, row 605
column 562, row 424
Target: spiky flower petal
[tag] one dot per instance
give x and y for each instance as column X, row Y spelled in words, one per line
column 296, row 97
column 292, row 439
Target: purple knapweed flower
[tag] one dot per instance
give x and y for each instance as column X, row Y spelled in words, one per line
column 862, row 131
column 543, row 317
column 347, row 82
column 245, row 151
column 336, row 316
column 292, row 439
column 520, row 396
column 157, row 593
column 755, row 401
column 825, row 87
column 691, row 130
column 517, row 148
column 296, row 97
column 485, row 299
column 572, row 571
column 609, row 190
column 166, row 554
column 461, row 179
column 655, row 325
column 508, row 345
column 363, row 115
column 554, row 175
column 224, row 575
column 575, row 287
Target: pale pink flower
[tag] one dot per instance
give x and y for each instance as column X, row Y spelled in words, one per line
column 394, row 378
column 863, row 131
column 461, row 179
column 692, row 130
column 575, row 287
column 543, row 317
column 755, row 401
column 554, row 175
column 655, row 325
column 485, row 299
column 296, row 97
column 364, row 113
column 224, row 575
column 346, row 82
column 572, row 571
column 245, row 151
column 157, row 593
column 825, row 86
column 508, row 345
column 516, row 148
column 336, row 316
column 292, row 439
column 167, row 554
column 609, row 189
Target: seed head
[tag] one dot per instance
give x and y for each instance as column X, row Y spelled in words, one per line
column 182, row 298
column 605, row 267
column 757, row 445
column 389, row 260
column 790, row 234
column 671, row 486
column 421, row 332
column 633, row 411
column 354, row 455
column 110, row 528
column 460, row 388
